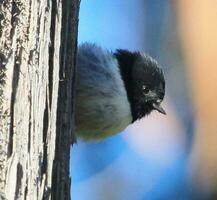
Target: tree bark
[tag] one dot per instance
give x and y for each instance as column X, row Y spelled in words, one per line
column 38, row 41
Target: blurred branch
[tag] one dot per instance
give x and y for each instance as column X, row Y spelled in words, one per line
column 198, row 31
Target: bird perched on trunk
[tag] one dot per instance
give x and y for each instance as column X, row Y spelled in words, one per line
column 114, row 89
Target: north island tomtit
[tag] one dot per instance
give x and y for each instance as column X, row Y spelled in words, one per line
column 114, row 89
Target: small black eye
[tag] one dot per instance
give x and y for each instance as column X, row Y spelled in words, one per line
column 145, row 89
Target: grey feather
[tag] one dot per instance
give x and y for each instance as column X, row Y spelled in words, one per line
column 101, row 104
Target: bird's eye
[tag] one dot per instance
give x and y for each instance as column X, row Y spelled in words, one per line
column 145, row 89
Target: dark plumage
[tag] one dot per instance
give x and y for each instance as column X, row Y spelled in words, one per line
column 114, row 90
column 141, row 75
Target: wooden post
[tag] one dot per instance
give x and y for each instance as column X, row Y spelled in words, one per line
column 38, row 41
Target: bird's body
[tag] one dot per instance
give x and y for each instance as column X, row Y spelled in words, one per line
column 101, row 104
column 105, row 98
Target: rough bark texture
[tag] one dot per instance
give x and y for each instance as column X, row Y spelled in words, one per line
column 37, row 59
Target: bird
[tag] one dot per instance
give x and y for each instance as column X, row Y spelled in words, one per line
column 114, row 89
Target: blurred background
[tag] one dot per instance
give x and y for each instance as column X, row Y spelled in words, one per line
column 172, row 157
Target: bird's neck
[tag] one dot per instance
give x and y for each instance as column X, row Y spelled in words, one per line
column 126, row 60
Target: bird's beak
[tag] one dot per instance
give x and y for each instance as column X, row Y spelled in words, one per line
column 159, row 108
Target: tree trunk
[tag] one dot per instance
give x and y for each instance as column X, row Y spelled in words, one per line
column 38, row 41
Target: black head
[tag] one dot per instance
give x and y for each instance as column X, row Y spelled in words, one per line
column 144, row 82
